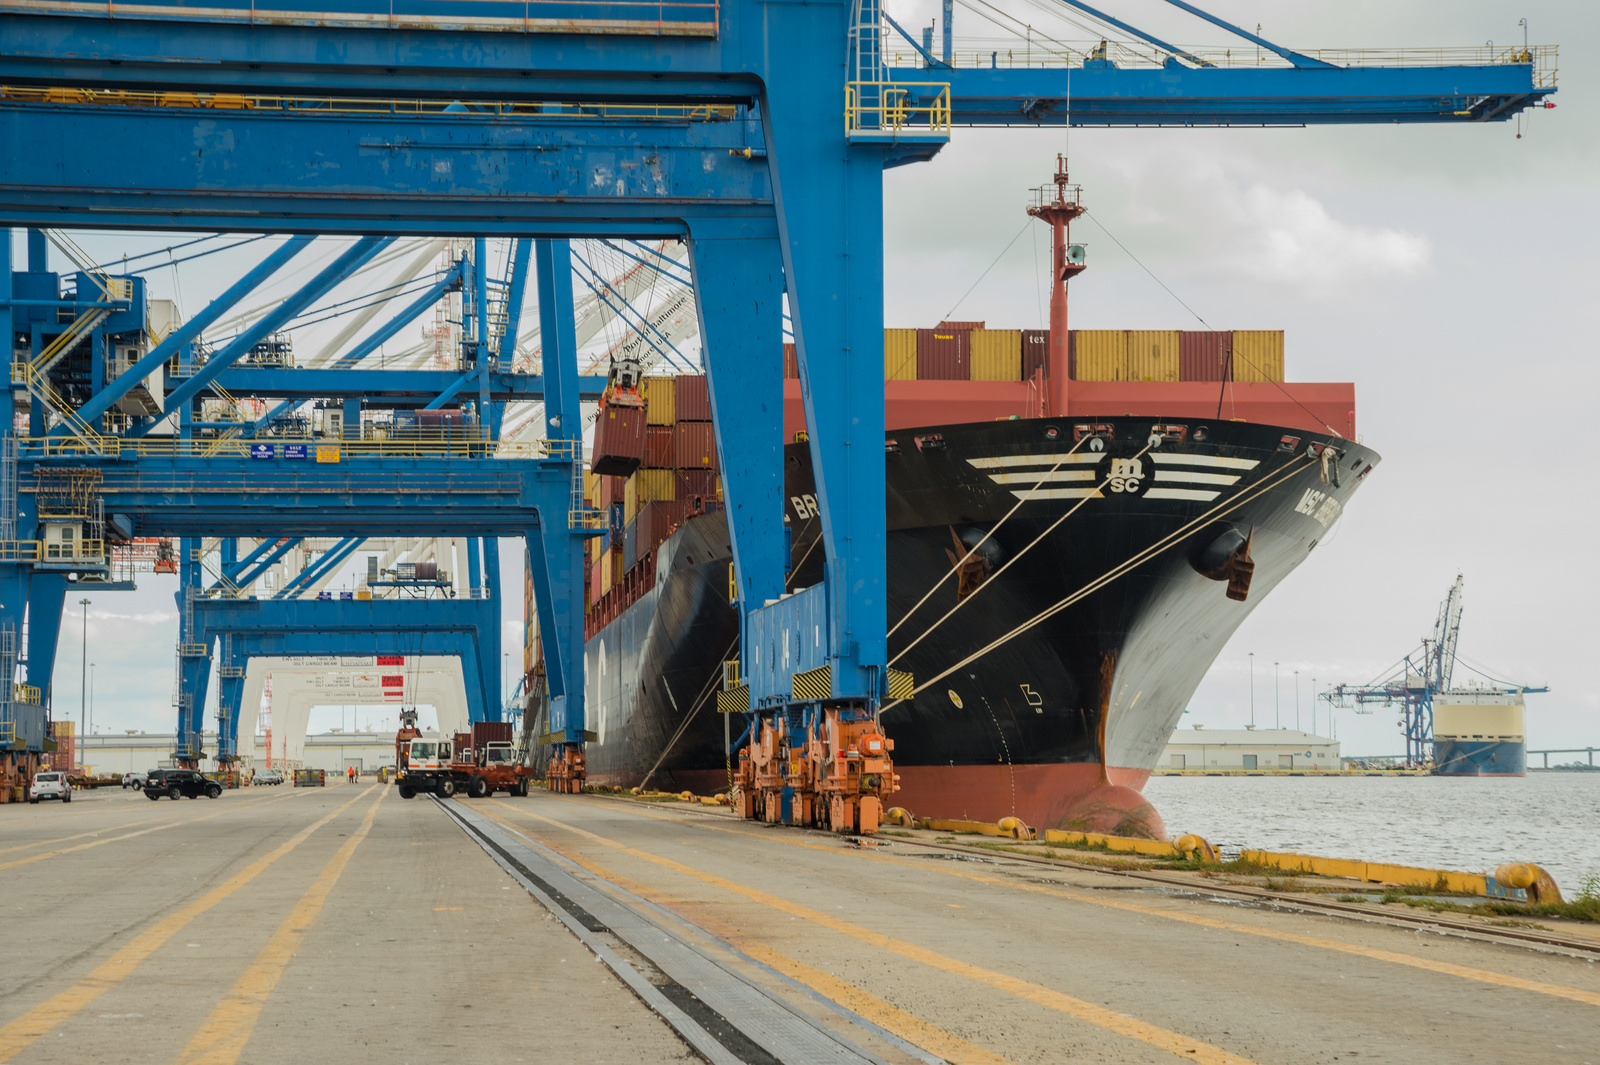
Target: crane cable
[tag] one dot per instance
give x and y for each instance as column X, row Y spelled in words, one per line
column 1050, row 529
column 1218, row 511
column 986, row 538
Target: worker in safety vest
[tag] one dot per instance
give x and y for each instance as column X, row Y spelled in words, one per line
column 350, row 770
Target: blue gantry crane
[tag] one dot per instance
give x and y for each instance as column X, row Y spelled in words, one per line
column 758, row 133
column 1415, row 681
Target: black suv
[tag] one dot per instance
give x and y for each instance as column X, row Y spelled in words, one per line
column 178, row 783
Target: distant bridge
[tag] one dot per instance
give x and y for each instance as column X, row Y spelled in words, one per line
column 1565, row 750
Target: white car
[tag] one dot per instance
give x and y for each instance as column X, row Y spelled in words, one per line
column 52, row 785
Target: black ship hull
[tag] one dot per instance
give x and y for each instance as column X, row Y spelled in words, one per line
column 1054, row 661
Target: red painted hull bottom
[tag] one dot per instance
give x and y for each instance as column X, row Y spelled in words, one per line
column 1078, row 796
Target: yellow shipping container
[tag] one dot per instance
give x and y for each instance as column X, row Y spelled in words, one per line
column 996, row 354
column 661, row 401
column 1101, row 354
column 899, row 354
column 656, row 486
column 594, row 549
column 1152, row 355
column 607, row 578
column 591, row 487
column 630, row 499
column 1258, row 354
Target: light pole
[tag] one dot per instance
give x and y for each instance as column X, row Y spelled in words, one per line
column 1277, row 698
column 83, row 686
column 91, row 696
column 1313, row 705
column 1252, row 689
column 1297, row 700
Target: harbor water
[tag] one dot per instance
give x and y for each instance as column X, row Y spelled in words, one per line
column 1468, row 824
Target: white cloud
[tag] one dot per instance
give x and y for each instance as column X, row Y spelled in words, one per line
column 1288, row 237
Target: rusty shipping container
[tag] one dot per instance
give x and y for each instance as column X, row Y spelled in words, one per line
column 618, row 440
column 791, row 362
column 659, row 448
column 1258, row 354
column 660, row 397
column 693, row 399
column 959, row 327
column 655, row 524
column 696, row 483
column 899, row 354
column 1035, row 351
column 696, row 446
column 1205, row 355
column 996, row 354
column 943, row 355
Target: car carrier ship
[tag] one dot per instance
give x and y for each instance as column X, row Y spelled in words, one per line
column 1077, row 522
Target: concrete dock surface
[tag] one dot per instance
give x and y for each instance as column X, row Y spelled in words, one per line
column 279, row 925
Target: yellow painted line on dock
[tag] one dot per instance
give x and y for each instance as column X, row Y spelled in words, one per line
column 20, row 1033
column 131, row 835
column 1465, row 972
column 222, row 1038
column 913, row 1029
column 1172, row 1042
column 254, row 800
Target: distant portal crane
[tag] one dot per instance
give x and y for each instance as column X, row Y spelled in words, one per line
column 1420, row 675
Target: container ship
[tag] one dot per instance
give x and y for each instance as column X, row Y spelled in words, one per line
column 1077, row 520
column 1479, row 733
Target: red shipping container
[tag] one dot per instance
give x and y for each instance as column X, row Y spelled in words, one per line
column 693, row 399
column 618, row 440
column 490, row 732
column 660, row 448
column 1205, row 356
column 1035, row 352
column 702, row 483
column 791, row 362
column 696, row 446
column 942, row 355
column 613, row 490
column 959, row 327
column 655, row 523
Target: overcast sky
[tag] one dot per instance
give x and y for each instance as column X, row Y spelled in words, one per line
column 1445, row 270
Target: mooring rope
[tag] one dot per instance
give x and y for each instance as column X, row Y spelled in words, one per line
column 1220, row 510
column 986, row 538
column 1052, row 528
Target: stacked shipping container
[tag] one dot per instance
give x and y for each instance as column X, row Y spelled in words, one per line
column 677, row 477
column 966, row 351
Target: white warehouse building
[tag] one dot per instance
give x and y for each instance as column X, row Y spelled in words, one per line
column 1204, row 749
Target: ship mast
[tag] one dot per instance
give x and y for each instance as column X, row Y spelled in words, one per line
column 1058, row 206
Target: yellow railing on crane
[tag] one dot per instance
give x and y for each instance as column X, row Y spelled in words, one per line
column 891, row 110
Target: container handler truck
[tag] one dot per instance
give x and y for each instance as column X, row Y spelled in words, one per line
column 476, row 763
